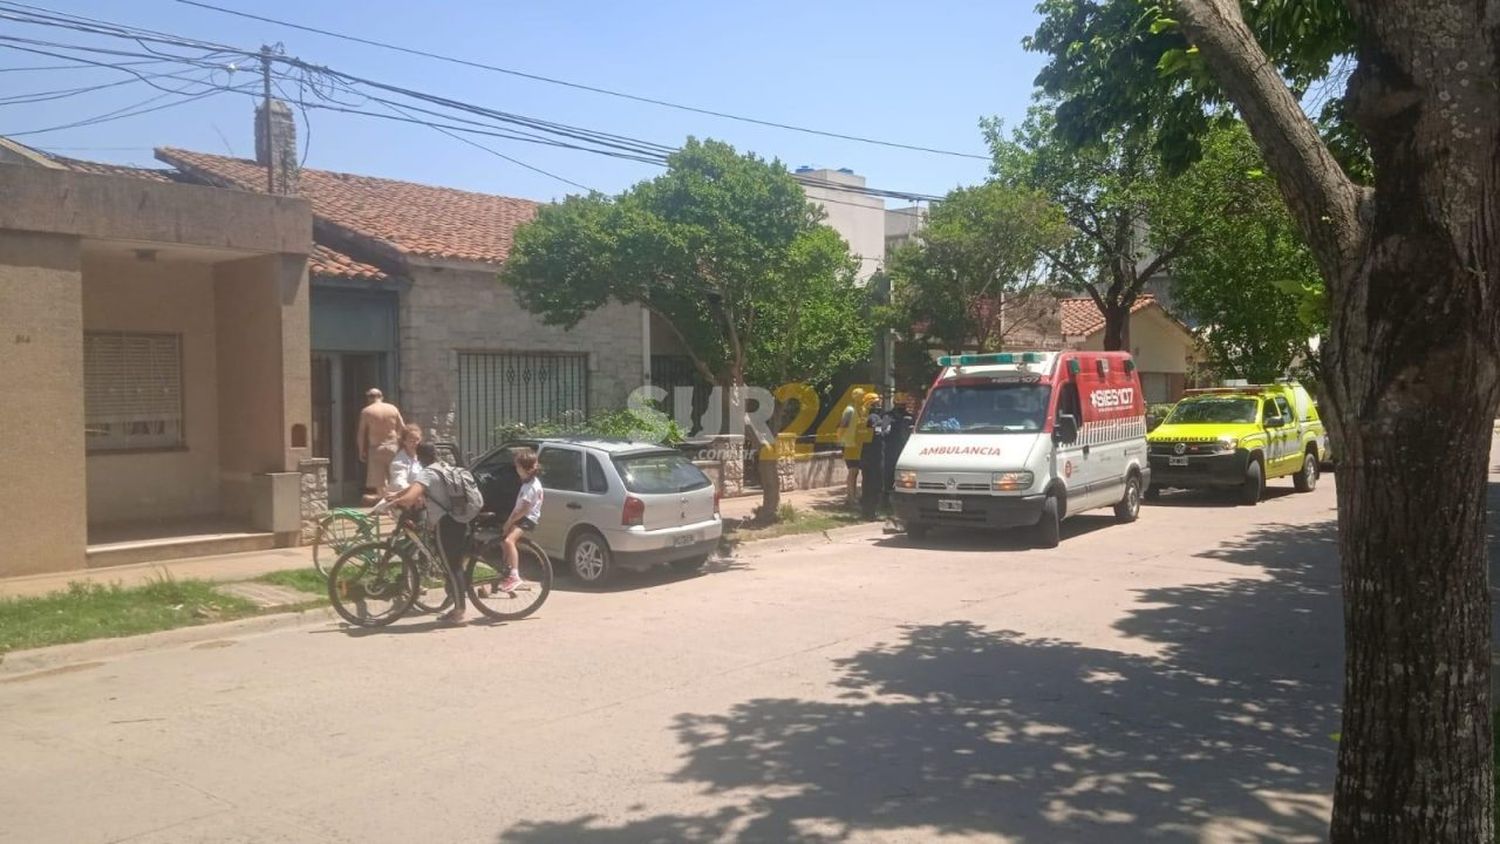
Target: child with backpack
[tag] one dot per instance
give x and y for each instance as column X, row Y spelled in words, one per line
column 455, row 501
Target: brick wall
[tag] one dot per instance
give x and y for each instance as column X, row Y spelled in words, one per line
column 448, row 310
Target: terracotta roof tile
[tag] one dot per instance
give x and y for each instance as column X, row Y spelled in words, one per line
column 1081, row 317
column 413, row 219
column 331, row 264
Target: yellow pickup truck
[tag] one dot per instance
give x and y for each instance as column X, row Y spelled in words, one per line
column 1238, row 438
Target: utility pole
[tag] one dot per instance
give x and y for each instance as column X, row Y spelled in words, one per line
column 265, row 76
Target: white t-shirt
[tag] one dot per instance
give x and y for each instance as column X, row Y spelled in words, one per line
column 529, row 501
column 404, row 469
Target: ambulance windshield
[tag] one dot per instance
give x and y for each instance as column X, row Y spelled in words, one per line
column 985, row 408
column 1213, row 410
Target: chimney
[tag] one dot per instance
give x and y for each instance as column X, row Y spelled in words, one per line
column 279, row 151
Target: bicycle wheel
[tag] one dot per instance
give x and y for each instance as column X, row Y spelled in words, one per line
column 486, row 568
column 432, row 584
column 372, row 584
column 338, row 531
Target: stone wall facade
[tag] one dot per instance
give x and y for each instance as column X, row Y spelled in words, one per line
column 449, row 309
column 314, row 494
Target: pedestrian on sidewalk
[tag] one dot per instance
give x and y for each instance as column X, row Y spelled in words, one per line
column 380, row 425
column 848, row 437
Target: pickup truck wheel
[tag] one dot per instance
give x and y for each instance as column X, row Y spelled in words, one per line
column 1254, row 485
column 1049, row 527
column 1307, row 479
column 1128, row 508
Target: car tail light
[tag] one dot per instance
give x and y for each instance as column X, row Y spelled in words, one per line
column 634, row 514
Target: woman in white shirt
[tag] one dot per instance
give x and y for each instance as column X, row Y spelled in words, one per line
column 405, row 465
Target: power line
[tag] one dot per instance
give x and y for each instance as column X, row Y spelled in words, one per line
column 118, row 114
column 582, row 87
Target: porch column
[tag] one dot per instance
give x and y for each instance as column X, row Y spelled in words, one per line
column 264, row 388
column 45, row 525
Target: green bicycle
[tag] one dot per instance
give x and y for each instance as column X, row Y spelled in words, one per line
column 340, row 529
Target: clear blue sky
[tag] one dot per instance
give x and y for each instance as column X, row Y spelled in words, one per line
column 898, row 71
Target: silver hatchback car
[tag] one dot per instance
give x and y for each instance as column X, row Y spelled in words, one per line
column 611, row 504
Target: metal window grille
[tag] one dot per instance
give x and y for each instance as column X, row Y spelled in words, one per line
column 496, row 389
column 132, row 391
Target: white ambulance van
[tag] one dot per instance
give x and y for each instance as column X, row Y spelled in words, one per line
column 1025, row 439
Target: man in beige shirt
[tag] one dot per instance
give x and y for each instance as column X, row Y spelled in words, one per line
column 380, row 425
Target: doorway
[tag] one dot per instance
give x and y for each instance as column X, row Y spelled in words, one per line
column 339, row 382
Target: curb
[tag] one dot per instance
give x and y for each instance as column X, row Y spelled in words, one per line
column 18, row 665
column 782, row 544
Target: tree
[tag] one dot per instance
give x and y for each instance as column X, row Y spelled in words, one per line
column 1108, row 191
column 1248, row 279
column 973, row 276
column 1410, row 364
column 724, row 250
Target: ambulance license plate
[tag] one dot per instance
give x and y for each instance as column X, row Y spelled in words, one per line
column 950, row 505
column 1177, row 461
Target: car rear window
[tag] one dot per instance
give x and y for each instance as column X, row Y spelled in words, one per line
column 660, row 472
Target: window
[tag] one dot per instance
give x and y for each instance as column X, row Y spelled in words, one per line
column 132, row 387
column 1157, row 387
column 1284, row 410
column 598, row 483
column 660, row 472
column 562, row 469
column 987, row 408
column 1268, row 409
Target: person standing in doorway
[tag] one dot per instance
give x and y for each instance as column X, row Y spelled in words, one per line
column 380, row 426
column 848, row 437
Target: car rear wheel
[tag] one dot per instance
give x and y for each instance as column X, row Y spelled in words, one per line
column 1128, row 509
column 1254, row 484
column 1307, row 479
column 590, row 557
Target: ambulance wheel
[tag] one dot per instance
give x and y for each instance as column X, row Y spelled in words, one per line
column 1128, row 508
column 1254, row 485
column 1307, row 479
column 1049, row 527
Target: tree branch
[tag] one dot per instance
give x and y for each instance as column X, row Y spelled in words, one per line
column 1325, row 203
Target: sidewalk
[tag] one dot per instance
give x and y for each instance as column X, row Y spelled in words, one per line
column 225, row 568
column 220, row 568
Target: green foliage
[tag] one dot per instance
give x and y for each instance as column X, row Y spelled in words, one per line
column 94, row 611
column 1118, row 64
column 305, row 580
column 1249, row 279
column 723, row 247
column 982, row 247
column 643, row 424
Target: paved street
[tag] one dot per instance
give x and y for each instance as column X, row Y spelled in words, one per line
column 1173, row 679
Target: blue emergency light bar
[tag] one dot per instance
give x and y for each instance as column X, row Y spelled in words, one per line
column 994, row 359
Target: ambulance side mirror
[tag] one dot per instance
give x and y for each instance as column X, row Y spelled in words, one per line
column 1065, row 431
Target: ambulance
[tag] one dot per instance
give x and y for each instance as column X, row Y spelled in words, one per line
column 1025, row 439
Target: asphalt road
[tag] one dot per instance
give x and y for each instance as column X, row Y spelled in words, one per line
column 1174, row 679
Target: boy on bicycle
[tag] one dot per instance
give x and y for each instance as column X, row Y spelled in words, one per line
column 452, row 535
column 523, row 517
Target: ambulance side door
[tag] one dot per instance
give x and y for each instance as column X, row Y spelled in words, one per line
column 1071, row 459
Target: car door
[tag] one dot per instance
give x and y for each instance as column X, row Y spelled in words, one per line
column 564, row 495
column 1071, row 460
column 1291, row 437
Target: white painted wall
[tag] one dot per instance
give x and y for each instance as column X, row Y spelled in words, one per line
column 859, row 219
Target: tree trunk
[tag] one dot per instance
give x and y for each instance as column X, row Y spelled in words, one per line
column 1410, row 371
column 767, row 467
column 1117, row 329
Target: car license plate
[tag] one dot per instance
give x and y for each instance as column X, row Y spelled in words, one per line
column 1177, row 461
column 685, row 539
column 950, row 505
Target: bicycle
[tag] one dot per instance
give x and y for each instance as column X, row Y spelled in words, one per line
column 340, row 529
column 374, row 583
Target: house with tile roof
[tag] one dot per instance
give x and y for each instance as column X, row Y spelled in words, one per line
column 156, row 378
column 1164, row 348
column 405, row 297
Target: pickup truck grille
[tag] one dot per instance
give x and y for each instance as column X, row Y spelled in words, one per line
column 1170, row 449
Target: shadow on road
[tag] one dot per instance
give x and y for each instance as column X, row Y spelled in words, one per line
column 1213, row 498
column 956, row 728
